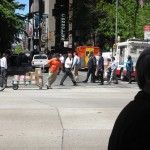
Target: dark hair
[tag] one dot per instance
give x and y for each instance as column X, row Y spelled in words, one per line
column 4, row 54
column 143, row 68
column 108, row 59
column 91, row 54
column 129, row 57
column 113, row 58
column 100, row 53
column 57, row 55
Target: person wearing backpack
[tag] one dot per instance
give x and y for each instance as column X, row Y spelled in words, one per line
column 129, row 68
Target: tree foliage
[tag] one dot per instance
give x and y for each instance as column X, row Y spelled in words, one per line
column 84, row 22
column 100, row 18
column 10, row 23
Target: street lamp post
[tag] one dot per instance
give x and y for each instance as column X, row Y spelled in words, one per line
column 40, row 17
column 116, row 30
column 116, row 26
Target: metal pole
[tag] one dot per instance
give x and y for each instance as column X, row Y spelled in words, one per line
column 33, row 35
column 40, row 17
column 47, row 36
column 116, row 27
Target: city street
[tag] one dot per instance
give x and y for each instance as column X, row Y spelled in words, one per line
column 109, row 37
column 63, row 118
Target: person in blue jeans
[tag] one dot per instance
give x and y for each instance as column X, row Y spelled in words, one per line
column 129, row 68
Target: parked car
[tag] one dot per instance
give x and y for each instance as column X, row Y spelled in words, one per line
column 39, row 60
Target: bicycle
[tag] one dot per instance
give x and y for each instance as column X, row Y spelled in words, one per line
column 2, row 82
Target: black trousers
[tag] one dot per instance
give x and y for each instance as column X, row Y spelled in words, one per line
column 100, row 76
column 68, row 73
column 4, row 74
column 92, row 73
column 129, row 75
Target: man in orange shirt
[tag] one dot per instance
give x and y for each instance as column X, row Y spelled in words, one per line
column 54, row 63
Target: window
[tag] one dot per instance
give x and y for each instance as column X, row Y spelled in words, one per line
column 122, row 54
column 40, row 57
column 133, row 50
column 44, row 57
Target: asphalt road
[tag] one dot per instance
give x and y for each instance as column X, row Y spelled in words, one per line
column 63, row 118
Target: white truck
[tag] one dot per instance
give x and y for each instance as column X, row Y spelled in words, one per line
column 132, row 48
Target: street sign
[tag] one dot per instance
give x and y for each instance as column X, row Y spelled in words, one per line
column 146, row 28
column 147, row 32
column 63, row 27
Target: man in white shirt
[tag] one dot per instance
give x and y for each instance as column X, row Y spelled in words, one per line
column 76, row 65
column 113, row 71
column 68, row 67
column 4, row 66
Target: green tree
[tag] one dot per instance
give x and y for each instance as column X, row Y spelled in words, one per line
column 84, row 19
column 127, row 18
column 18, row 50
column 131, row 20
column 143, row 19
column 106, row 23
column 11, row 23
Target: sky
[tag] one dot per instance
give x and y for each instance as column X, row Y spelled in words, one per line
column 26, row 10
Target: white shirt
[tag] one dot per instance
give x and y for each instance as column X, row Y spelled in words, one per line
column 68, row 63
column 62, row 59
column 113, row 65
column 4, row 62
column 76, row 60
column 97, row 59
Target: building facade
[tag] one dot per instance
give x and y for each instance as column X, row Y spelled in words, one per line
column 49, row 25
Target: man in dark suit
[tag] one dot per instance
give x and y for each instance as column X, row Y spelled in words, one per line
column 100, row 71
column 91, row 68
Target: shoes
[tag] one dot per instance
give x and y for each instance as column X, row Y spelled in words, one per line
column 101, row 83
column 109, row 82
column 116, row 82
column 77, row 80
column 48, row 87
column 74, row 83
column 84, row 81
column 61, row 84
